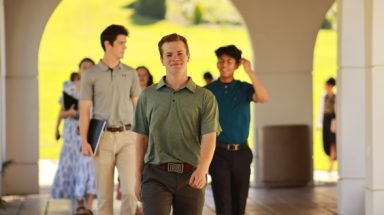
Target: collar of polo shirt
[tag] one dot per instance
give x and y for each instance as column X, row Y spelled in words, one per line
column 105, row 68
column 230, row 85
column 190, row 85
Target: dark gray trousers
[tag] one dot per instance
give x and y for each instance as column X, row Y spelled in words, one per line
column 161, row 190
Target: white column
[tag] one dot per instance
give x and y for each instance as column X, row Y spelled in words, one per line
column 374, row 107
column 2, row 91
column 283, row 35
column 351, row 107
column 25, row 21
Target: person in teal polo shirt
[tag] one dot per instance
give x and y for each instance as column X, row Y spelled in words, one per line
column 230, row 167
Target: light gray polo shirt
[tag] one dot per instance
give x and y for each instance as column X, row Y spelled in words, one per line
column 111, row 92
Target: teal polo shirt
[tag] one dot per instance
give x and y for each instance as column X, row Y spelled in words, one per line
column 234, row 100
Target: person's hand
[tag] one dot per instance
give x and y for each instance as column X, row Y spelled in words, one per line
column 198, row 179
column 138, row 189
column 72, row 111
column 86, row 149
column 57, row 134
column 247, row 65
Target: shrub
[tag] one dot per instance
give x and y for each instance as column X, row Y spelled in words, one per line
column 328, row 22
column 151, row 8
column 213, row 11
column 197, row 14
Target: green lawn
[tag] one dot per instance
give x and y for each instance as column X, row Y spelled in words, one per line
column 73, row 32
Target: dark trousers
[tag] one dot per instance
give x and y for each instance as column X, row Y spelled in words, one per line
column 230, row 171
column 161, row 190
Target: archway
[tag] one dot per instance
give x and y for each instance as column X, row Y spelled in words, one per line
column 283, row 58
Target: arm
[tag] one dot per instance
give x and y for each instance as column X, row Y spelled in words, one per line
column 208, row 145
column 141, row 149
column 135, row 90
column 67, row 113
column 134, row 102
column 261, row 93
column 59, row 121
column 85, row 109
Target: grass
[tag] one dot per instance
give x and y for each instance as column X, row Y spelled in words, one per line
column 73, row 31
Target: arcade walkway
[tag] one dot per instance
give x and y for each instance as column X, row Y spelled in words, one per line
column 319, row 200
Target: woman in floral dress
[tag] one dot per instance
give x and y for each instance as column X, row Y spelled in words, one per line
column 74, row 177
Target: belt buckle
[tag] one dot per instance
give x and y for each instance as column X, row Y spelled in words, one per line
column 175, row 167
column 235, row 147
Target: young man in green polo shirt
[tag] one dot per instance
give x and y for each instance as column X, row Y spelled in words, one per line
column 176, row 123
column 230, row 167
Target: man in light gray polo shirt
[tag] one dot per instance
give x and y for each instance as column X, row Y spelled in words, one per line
column 112, row 88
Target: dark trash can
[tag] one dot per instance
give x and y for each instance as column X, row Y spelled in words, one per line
column 285, row 157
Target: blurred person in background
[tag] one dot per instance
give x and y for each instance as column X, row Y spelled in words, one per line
column 74, row 178
column 326, row 119
column 208, row 78
column 75, row 77
column 145, row 77
column 146, row 80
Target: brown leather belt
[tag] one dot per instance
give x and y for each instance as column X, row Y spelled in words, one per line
column 119, row 128
column 232, row 147
column 175, row 167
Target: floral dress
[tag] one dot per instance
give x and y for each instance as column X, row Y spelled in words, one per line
column 74, row 177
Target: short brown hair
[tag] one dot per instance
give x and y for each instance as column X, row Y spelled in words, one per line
column 172, row 38
column 110, row 34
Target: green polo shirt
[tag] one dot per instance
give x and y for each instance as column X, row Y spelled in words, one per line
column 175, row 121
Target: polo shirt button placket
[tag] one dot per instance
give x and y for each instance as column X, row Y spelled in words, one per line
column 173, row 96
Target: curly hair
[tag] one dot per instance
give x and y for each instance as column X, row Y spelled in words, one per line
column 231, row 51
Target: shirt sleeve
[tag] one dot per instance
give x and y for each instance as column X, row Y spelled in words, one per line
column 135, row 88
column 86, row 91
column 140, row 123
column 249, row 91
column 210, row 117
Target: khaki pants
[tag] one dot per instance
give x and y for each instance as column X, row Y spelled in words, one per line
column 115, row 149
